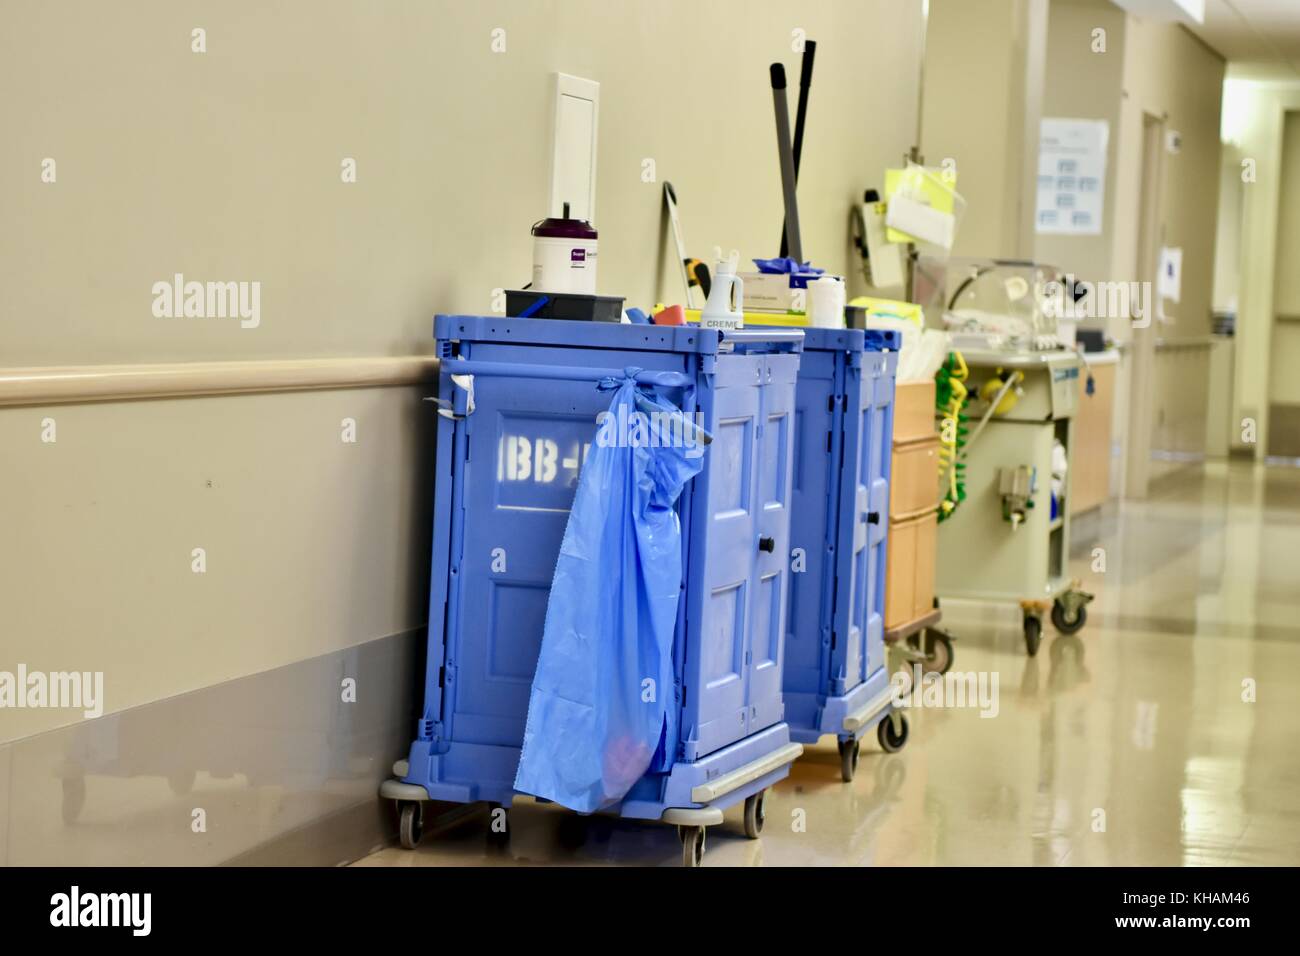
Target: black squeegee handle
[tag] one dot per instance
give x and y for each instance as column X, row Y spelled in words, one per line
column 785, row 157
column 801, row 112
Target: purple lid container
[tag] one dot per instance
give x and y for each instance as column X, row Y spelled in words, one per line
column 564, row 228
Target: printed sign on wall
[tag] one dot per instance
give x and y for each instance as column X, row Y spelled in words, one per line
column 1071, row 176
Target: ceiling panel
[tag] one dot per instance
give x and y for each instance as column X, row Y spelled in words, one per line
column 1258, row 37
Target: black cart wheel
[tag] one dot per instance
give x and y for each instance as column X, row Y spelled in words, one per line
column 890, row 742
column 1066, row 623
column 692, row 846
column 849, row 751
column 1033, row 634
column 938, row 651
column 572, row 830
column 410, row 825
column 755, row 814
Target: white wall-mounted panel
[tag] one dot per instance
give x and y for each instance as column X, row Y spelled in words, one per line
column 573, row 158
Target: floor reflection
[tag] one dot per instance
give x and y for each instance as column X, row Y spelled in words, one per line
column 1163, row 734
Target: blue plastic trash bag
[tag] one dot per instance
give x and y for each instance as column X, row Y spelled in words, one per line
column 602, row 709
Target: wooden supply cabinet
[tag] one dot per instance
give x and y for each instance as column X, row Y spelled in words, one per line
column 914, row 477
column 913, row 507
column 909, row 590
column 913, row 411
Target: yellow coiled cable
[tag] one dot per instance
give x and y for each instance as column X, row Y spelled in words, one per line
column 949, row 440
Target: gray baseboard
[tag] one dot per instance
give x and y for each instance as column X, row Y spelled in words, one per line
column 335, row 840
column 1088, row 527
column 274, row 768
column 1283, row 431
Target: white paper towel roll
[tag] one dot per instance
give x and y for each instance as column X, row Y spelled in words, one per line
column 826, row 298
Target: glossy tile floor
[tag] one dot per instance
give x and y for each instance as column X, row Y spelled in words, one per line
column 1129, row 744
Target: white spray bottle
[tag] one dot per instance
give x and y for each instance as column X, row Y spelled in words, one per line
column 725, row 308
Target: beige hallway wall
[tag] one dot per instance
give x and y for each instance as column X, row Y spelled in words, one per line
column 984, row 67
column 1257, row 113
column 311, row 544
column 1180, row 389
column 1227, row 245
column 1152, row 68
column 1170, row 73
column 1283, row 383
column 226, row 164
column 1085, row 81
column 1148, row 67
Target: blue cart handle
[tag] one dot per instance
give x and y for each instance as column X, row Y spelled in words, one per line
column 764, row 336
column 571, row 373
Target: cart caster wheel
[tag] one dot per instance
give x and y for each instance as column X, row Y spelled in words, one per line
column 849, row 751
column 572, row 831
column 755, row 814
column 1033, row 634
column 890, row 742
column 1066, row 624
column 692, row 845
column 410, row 825
column 74, row 798
column 938, row 650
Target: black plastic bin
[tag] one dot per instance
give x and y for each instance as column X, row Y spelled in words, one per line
column 564, row 305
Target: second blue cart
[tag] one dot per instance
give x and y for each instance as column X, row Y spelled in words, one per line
column 836, row 681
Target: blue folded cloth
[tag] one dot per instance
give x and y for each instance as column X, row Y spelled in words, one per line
column 787, row 265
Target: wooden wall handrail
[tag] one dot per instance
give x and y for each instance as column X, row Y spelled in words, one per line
column 61, row 385
column 1198, row 342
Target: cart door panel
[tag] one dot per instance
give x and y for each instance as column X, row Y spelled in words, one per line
column 723, row 551
column 808, row 611
column 527, row 440
column 524, row 460
column 881, row 455
column 854, row 567
column 774, row 448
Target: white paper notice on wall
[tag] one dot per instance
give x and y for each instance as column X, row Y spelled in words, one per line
column 1170, row 284
column 1071, row 176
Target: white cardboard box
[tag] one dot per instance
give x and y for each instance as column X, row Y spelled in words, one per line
column 777, row 291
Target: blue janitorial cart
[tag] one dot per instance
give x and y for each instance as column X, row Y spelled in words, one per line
column 518, row 405
column 835, row 679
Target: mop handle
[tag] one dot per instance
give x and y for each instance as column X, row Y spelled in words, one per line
column 786, row 158
column 800, row 114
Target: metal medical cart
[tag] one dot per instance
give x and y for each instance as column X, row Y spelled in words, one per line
column 1009, row 540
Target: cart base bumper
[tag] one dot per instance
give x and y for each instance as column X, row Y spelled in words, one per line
column 870, row 713
column 850, row 715
column 468, row 773
column 688, row 817
column 394, row 789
